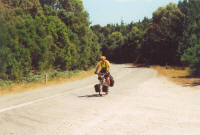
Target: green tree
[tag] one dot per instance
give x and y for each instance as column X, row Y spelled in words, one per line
column 37, row 35
column 162, row 37
column 133, row 44
column 189, row 45
column 192, row 57
column 191, row 24
column 114, row 43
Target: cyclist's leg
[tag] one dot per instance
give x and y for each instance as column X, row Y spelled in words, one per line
column 108, row 80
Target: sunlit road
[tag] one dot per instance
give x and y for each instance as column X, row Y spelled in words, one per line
column 140, row 103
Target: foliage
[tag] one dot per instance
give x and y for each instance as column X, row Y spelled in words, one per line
column 38, row 35
column 170, row 37
column 191, row 56
column 162, row 37
column 190, row 41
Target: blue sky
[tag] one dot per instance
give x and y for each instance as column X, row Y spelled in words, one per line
column 113, row 11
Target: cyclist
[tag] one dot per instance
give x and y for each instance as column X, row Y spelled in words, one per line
column 104, row 67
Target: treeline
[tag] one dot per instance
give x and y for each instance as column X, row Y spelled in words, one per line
column 38, row 35
column 170, row 37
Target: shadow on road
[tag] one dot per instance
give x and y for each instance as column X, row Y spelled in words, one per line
column 189, row 81
column 90, row 96
column 188, row 77
column 192, row 84
column 138, row 66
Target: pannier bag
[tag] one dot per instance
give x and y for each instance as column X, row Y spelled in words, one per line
column 111, row 81
column 97, row 87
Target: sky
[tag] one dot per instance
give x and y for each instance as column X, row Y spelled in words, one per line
column 114, row 11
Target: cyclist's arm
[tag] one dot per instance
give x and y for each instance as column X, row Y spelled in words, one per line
column 98, row 67
column 108, row 66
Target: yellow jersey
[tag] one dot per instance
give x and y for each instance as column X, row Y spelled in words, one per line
column 105, row 65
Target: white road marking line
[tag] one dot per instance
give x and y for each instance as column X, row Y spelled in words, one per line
column 35, row 101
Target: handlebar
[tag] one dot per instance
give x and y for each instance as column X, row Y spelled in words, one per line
column 102, row 73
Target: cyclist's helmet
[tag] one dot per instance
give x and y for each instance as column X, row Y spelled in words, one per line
column 103, row 57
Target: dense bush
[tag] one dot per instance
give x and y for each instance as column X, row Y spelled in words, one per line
column 38, row 35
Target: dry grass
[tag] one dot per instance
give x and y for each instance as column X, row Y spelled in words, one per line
column 178, row 74
column 21, row 87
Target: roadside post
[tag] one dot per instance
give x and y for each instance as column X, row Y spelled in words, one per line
column 46, row 78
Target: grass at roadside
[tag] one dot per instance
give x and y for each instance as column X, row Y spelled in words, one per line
column 61, row 77
column 178, row 75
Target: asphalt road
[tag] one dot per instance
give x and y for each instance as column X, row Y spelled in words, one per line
column 140, row 103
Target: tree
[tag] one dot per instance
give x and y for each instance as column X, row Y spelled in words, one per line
column 133, row 44
column 189, row 45
column 38, row 35
column 191, row 24
column 114, row 44
column 191, row 57
column 162, row 37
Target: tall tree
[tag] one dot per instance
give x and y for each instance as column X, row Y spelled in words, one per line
column 189, row 45
column 163, row 35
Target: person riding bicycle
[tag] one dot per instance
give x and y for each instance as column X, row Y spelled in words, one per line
column 104, row 67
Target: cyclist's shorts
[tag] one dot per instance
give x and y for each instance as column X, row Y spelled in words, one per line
column 103, row 70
